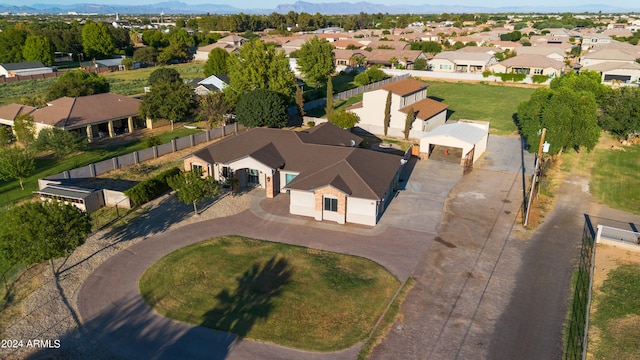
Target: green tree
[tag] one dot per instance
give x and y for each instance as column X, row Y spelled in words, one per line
column 11, row 41
column 6, row 136
column 371, row 75
column 61, row 142
column 387, row 113
column 77, row 83
column 316, row 60
column 587, row 80
column 165, row 74
column 345, row 119
column 41, row 231
column 420, row 64
column 620, row 111
column 216, row 62
column 570, row 117
column 328, row 108
column 25, row 129
column 97, row 40
column 168, row 100
column 411, row 116
column 261, row 107
column 38, row 48
column 146, row 55
column 192, row 188
column 16, row 164
column 212, row 108
column 34, row 100
column 128, row 63
column 259, row 66
column 393, row 61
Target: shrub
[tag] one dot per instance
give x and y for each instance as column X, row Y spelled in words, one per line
column 149, row 189
column 486, row 73
column 539, row 79
column 512, row 77
column 152, row 141
column 311, row 123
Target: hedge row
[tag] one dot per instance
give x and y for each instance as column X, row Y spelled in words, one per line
column 512, row 77
column 150, row 189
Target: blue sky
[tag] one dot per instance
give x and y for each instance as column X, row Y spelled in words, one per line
column 268, row 4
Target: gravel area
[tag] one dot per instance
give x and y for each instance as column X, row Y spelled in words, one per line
column 50, row 313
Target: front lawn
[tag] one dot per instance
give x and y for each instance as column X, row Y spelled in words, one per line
column 289, row 295
column 616, row 177
column 494, row 103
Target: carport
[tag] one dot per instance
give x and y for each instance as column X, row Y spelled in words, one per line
column 469, row 136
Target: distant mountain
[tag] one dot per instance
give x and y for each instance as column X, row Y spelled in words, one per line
column 178, row 7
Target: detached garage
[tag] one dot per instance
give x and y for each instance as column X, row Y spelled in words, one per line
column 469, row 136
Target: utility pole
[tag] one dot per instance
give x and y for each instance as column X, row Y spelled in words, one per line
column 535, row 176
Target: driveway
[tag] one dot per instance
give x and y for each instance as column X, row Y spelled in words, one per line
column 112, row 309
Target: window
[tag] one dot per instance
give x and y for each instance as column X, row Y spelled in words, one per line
column 225, row 171
column 330, row 204
column 253, row 176
column 289, row 177
column 537, row 71
column 197, row 168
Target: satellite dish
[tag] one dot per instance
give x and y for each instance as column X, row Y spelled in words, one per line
column 352, row 143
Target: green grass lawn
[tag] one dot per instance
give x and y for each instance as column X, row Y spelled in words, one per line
column 289, row 295
column 10, row 191
column 615, row 178
column 128, row 82
column 492, row 103
column 617, row 317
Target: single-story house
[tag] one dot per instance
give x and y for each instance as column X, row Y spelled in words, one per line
column 461, row 61
column 530, row 64
column 24, row 69
column 213, row 83
column 619, row 73
column 324, row 173
column 470, row 136
column 552, row 52
column 405, row 94
column 93, row 116
column 87, row 194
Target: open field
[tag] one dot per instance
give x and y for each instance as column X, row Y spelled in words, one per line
column 271, row 292
column 616, row 177
column 129, row 82
column 493, row 103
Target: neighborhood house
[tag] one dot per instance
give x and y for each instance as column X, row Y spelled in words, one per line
column 324, row 173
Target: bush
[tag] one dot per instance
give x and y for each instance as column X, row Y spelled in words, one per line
column 539, row 79
column 311, row 123
column 152, row 141
column 150, row 189
column 486, row 73
column 512, row 77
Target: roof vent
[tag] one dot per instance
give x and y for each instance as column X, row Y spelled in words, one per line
column 352, row 143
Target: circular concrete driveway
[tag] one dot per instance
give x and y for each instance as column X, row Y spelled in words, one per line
column 112, row 310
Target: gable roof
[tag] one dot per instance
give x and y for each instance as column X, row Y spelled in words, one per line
column 532, row 60
column 328, row 134
column 404, row 87
column 462, row 131
column 69, row 112
column 426, row 108
column 22, row 65
column 610, row 54
column 318, row 162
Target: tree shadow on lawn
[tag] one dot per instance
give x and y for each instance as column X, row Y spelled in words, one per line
column 237, row 312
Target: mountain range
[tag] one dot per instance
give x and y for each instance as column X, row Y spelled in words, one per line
column 177, row 7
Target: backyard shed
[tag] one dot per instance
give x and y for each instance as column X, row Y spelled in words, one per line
column 470, row 137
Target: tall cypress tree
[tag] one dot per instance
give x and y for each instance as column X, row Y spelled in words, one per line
column 387, row 113
column 329, row 105
column 408, row 121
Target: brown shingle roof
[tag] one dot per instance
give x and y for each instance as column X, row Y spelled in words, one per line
column 358, row 172
column 71, row 113
column 404, row 87
column 426, row 108
column 9, row 112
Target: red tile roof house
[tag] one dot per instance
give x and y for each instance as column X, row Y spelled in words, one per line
column 405, row 94
column 93, row 116
column 324, row 173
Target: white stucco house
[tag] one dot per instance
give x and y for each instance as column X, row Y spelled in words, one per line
column 462, row 61
column 530, row 64
column 322, row 171
column 406, row 94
